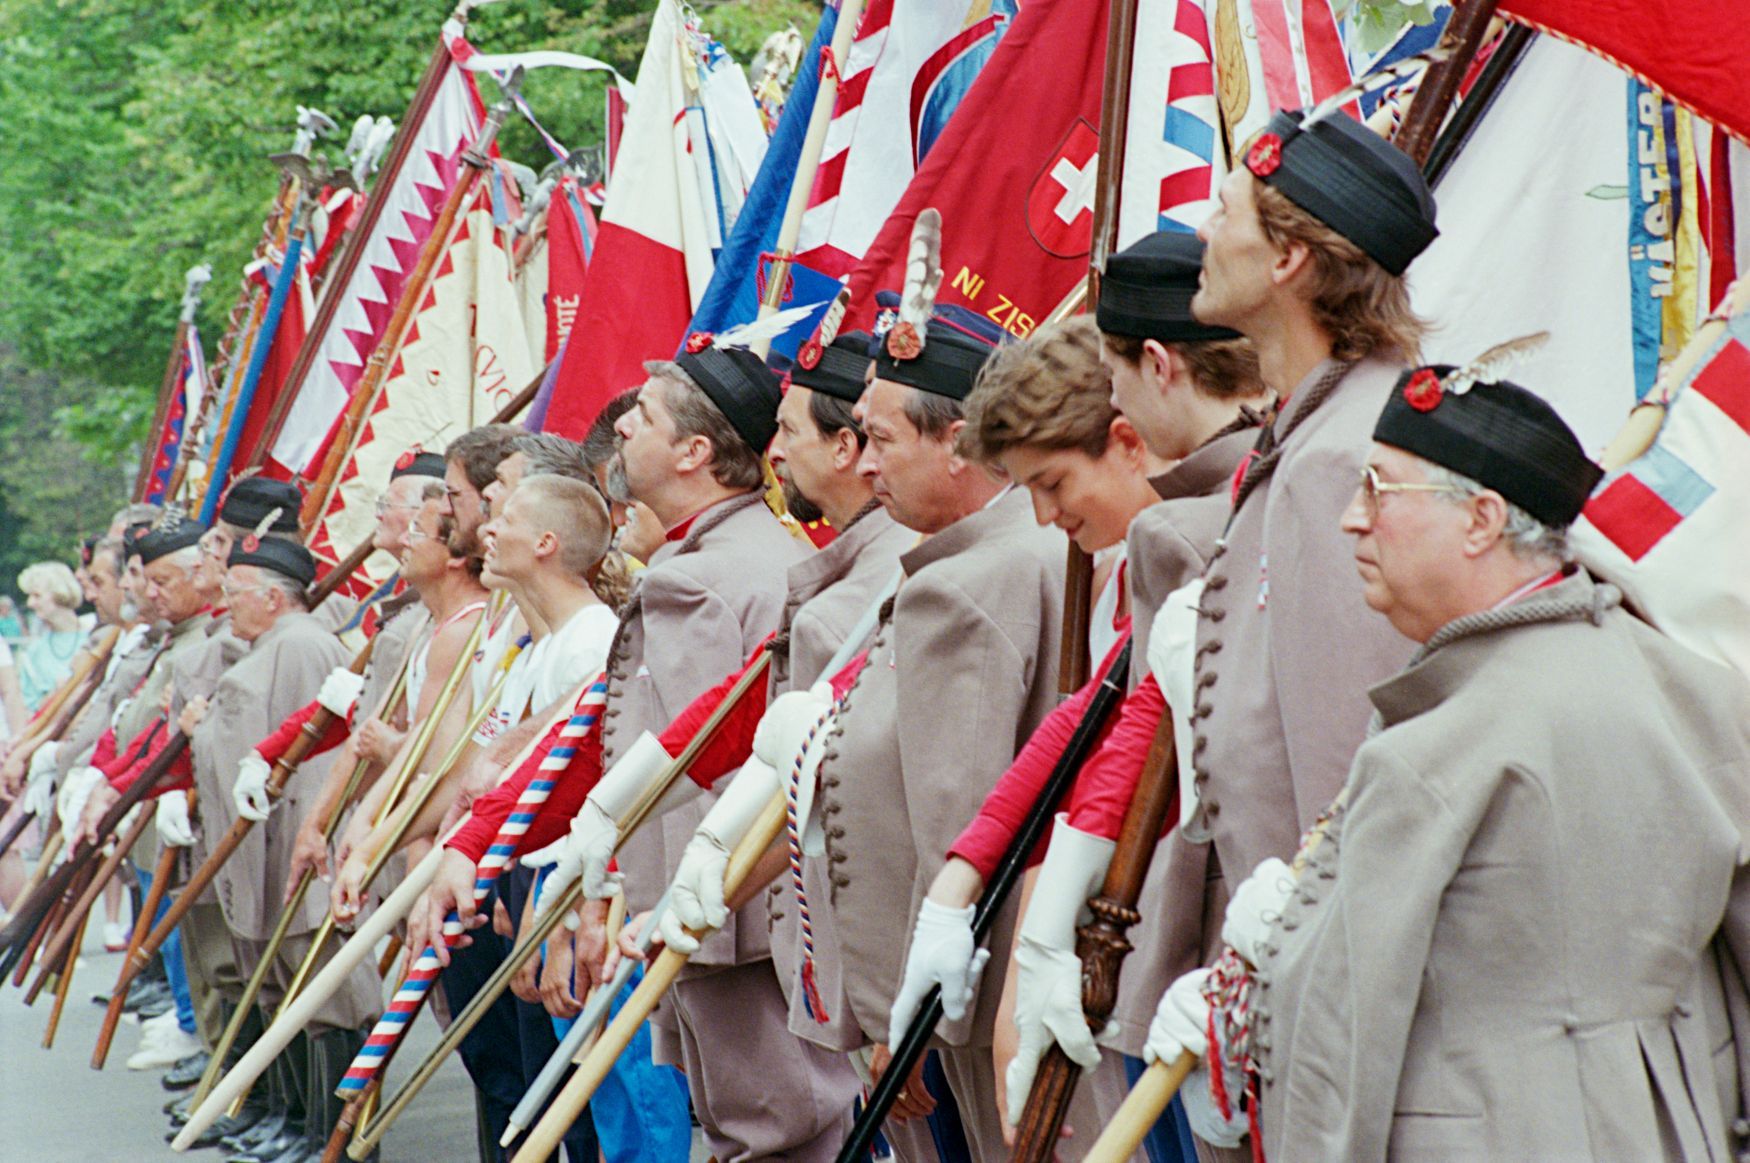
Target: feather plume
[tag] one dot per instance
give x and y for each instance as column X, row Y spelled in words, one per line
column 266, row 523
column 766, row 329
column 1395, row 71
column 1492, row 366
column 923, row 272
column 834, row 318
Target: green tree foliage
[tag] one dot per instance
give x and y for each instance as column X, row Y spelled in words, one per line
column 136, row 135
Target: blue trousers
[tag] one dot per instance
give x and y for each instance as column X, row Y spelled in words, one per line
column 171, row 951
column 1169, row 1140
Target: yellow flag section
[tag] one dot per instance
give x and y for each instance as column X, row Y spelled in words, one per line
column 467, row 354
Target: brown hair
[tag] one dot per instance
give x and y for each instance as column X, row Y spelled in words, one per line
column 734, row 465
column 480, row 450
column 1226, row 369
column 1364, row 308
column 574, row 511
column 1048, row 391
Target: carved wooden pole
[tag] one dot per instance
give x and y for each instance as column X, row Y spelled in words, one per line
column 1101, row 944
column 1465, row 31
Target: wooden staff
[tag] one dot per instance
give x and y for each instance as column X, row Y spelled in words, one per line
column 45, row 860
column 67, row 937
column 63, row 986
column 71, row 696
column 1465, row 32
column 308, row 736
column 476, row 160
column 50, row 921
column 34, row 908
column 357, row 242
column 808, row 162
column 544, row 1139
column 910, row 1048
column 1101, row 944
column 1140, row 1110
column 161, row 874
column 529, row 942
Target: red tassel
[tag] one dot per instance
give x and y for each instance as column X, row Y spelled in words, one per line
column 811, row 994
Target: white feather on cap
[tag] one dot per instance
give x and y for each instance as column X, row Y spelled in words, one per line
column 923, row 272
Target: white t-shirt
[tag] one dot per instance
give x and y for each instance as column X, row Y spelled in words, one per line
column 552, row 668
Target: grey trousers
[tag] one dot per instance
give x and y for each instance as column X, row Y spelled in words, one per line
column 213, row 977
column 972, row 1075
column 760, row 1091
column 354, row 1004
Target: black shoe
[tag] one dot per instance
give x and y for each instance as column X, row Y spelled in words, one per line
column 255, row 1136
column 156, row 1006
column 185, row 1072
column 273, row 1148
column 179, row 1108
column 298, row 1152
column 141, row 991
column 251, row 1114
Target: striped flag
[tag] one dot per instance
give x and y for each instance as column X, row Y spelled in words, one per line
column 185, row 401
column 1275, row 54
column 1173, row 161
column 1668, row 527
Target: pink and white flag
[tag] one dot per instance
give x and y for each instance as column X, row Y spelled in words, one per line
column 411, row 204
column 1173, row 157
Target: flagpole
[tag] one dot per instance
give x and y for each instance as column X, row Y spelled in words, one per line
column 1465, row 33
column 476, row 159
column 353, row 252
column 813, row 145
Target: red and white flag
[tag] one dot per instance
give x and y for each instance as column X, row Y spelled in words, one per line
column 653, row 254
column 1173, row 157
column 910, row 66
column 1276, row 54
column 411, row 199
column 1012, row 175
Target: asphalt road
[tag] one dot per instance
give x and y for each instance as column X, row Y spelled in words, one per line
column 55, row 1109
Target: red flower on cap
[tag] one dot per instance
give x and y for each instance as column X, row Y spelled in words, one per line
column 809, row 356
column 698, row 341
column 903, row 342
column 251, row 543
column 1265, row 156
column 1423, row 392
column 405, row 460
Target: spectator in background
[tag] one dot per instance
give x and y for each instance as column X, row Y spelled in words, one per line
column 45, row 659
column 11, row 628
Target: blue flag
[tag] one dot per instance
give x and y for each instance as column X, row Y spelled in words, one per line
column 733, row 295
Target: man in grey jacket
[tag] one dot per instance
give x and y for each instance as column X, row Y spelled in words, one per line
column 1500, row 941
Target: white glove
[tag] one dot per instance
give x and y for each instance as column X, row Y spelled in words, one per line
column 42, row 762
column 121, row 708
column 249, row 793
column 942, row 953
column 1256, row 907
column 696, row 892
column 39, row 797
column 340, row 690
column 174, row 826
column 787, row 724
column 1172, row 648
column 1181, row 1021
column 81, row 782
column 1048, row 992
column 595, row 830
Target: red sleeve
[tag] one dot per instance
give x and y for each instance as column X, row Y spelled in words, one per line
column 1108, row 780
column 275, row 745
column 105, row 751
column 126, row 769
column 983, row 841
column 734, row 742
column 553, row 819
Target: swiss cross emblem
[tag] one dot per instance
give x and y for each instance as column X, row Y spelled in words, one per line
column 1265, row 156
column 1060, row 204
column 251, row 543
column 405, row 460
column 698, row 341
column 809, row 357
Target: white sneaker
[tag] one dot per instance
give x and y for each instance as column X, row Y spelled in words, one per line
column 165, row 1021
column 167, row 1050
column 115, row 937
column 156, row 1030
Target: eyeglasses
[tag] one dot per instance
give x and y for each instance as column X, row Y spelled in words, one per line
column 1372, row 488
column 415, row 535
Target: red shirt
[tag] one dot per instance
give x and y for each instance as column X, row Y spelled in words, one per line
column 1103, row 787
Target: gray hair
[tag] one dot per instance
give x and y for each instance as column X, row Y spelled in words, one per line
column 932, row 414
column 551, row 455
column 295, row 593
column 1525, row 535
column 734, row 465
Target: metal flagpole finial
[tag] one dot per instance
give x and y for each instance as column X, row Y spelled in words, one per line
column 312, row 124
column 479, row 154
column 192, row 284
column 371, row 150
